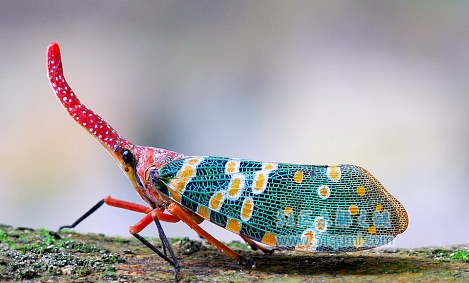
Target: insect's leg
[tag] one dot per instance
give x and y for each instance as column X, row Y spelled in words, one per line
column 181, row 214
column 140, row 208
column 126, row 205
column 121, row 204
column 160, row 216
column 255, row 246
column 162, row 238
column 164, row 241
column 84, row 216
column 151, row 215
column 144, row 222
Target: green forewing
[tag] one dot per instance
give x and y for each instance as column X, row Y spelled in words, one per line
column 322, row 208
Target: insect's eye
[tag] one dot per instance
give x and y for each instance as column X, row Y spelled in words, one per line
column 128, row 157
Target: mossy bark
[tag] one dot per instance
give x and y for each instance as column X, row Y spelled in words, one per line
column 44, row 256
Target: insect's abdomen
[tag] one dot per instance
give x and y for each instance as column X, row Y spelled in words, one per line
column 321, row 208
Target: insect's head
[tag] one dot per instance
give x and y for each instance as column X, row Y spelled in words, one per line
column 127, row 158
column 122, row 150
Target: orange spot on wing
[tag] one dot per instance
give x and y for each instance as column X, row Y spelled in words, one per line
column 324, row 192
column 298, row 177
column 233, row 225
column 246, row 209
column 260, row 181
column 236, row 184
column 235, row 188
column 187, row 172
column 269, row 239
column 361, row 191
column 308, row 238
column 333, row 172
column 178, row 185
column 269, row 166
column 231, row 167
column 203, row 211
column 320, row 224
column 193, row 161
column 175, row 195
column 353, row 209
column 216, row 201
column 288, row 210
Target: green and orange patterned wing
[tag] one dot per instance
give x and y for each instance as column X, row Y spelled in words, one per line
column 304, row 207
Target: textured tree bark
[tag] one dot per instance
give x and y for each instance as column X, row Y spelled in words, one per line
column 45, row 256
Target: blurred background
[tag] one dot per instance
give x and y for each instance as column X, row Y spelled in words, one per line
column 381, row 84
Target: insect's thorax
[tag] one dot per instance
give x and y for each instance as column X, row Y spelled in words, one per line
column 149, row 160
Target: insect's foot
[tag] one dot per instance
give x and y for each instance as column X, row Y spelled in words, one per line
column 64, row 227
column 176, row 271
column 269, row 251
column 247, row 261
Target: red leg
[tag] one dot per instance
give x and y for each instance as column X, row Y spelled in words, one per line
column 150, row 215
column 178, row 212
column 124, row 205
column 140, row 208
column 142, row 224
column 148, row 218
